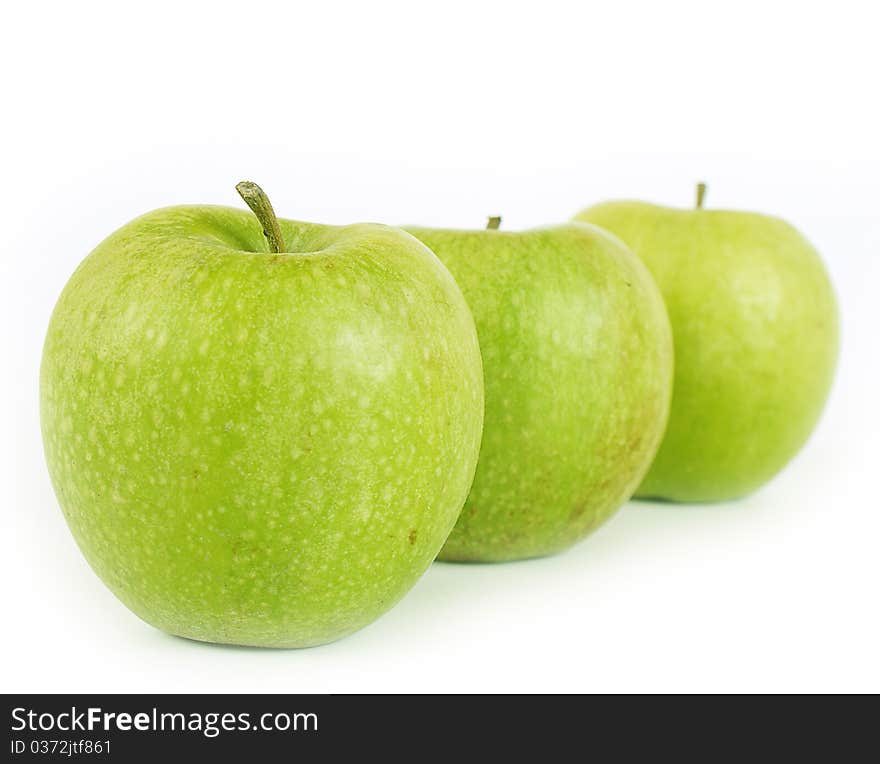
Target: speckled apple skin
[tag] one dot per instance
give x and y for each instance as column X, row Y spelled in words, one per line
column 253, row 448
column 577, row 358
column 755, row 323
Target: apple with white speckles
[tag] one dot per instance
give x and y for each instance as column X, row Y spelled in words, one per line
column 255, row 442
column 756, row 341
column 577, row 354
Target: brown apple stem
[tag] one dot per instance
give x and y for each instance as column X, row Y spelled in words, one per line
column 255, row 198
column 701, row 195
column 493, row 223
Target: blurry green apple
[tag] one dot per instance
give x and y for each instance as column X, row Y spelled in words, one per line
column 577, row 357
column 756, row 338
column 260, row 447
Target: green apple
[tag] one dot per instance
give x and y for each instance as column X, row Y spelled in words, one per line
column 260, row 447
column 577, row 358
column 756, row 338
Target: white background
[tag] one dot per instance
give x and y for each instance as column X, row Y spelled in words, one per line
column 443, row 113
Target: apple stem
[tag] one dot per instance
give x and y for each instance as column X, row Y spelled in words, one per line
column 493, row 223
column 255, row 198
column 701, row 195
